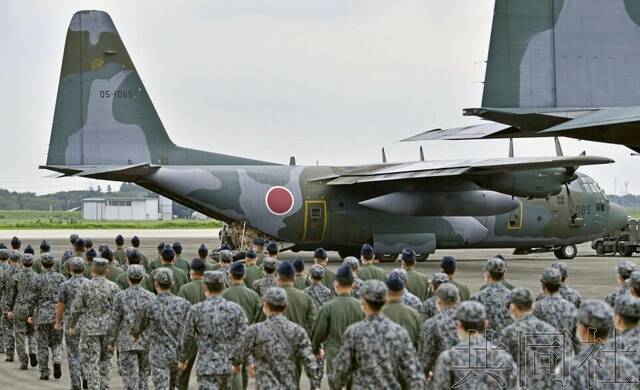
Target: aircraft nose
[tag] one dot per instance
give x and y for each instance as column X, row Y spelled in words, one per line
column 618, row 218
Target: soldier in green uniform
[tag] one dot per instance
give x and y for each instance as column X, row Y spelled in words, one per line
column 167, row 255
column 300, row 307
column 400, row 313
column 272, row 250
column 269, row 279
column 203, row 255
column 299, row 282
column 133, row 258
column 144, row 260
column 417, row 283
column 88, row 257
column 258, row 248
column 113, row 269
column 369, row 270
column 180, row 261
column 158, row 260
column 334, row 317
column 252, row 272
column 448, row 265
column 120, row 255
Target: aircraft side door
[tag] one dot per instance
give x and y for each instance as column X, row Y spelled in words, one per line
column 315, row 220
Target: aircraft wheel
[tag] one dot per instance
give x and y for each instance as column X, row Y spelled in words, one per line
column 389, row 257
column 600, row 248
column 566, row 252
column 421, row 257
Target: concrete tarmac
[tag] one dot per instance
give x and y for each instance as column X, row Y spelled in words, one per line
column 593, row 276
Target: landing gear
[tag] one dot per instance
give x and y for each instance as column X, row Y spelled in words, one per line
column 566, row 252
column 600, row 248
column 388, row 257
column 625, row 250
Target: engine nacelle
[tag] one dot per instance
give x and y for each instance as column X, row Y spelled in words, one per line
column 529, row 184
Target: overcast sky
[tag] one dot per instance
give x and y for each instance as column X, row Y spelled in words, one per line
column 326, row 80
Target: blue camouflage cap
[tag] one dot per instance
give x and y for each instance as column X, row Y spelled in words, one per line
column 47, row 259
column 627, row 305
column 163, row 276
column 286, row 269
column 237, row 268
column 521, row 296
column 135, row 272
column 269, row 263
column 594, row 313
column 317, row 271
column 402, row 274
column 226, row 256
column 395, row 282
column 15, row 255
column 439, row 278
column 258, row 241
column 76, row 264
column 275, row 296
column 4, row 254
column 100, row 263
column 634, row 280
column 352, row 262
column 470, row 311
column 496, row 264
column 563, row 267
column 625, row 268
column 27, row 260
column 551, row 276
column 215, row 277
column 373, row 291
column 448, row 293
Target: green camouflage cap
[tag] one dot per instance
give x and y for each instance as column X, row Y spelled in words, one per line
column 76, row 264
column 495, row 264
column 275, row 296
column 217, row 277
column 4, row 254
column 470, row 311
column 448, row 293
column 269, row 262
column 100, row 262
column 163, row 276
column 317, row 271
column 15, row 255
column 352, row 262
column 47, row 258
column 373, row 291
column 135, row 272
column 562, row 266
column 521, row 296
column 27, row 259
column 627, row 305
column 625, row 268
column 439, row 278
column 634, row 280
column 594, row 313
column 551, row 276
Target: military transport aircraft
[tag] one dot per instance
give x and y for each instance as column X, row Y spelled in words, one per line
column 105, row 127
column 560, row 68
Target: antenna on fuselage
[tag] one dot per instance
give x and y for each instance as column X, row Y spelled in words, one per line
column 384, row 157
column 510, row 147
column 421, row 154
column 558, row 147
column 292, row 161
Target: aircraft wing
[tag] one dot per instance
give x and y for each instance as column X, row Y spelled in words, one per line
column 485, row 130
column 449, row 168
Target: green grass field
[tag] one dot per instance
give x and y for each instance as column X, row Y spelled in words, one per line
column 32, row 219
column 634, row 212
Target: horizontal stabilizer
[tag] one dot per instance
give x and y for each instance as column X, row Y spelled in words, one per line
column 117, row 173
column 485, row 130
column 603, row 117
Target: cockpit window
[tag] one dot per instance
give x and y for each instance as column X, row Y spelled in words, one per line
column 585, row 184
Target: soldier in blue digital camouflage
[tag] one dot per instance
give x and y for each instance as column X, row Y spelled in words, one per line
column 321, row 257
column 217, row 327
column 449, row 266
column 408, row 298
column 626, row 320
column 601, row 363
column 634, row 284
column 429, row 308
column 417, row 283
column 439, row 332
column 570, row 294
column 475, row 362
column 354, row 263
column 89, row 317
column 269, row 279
column 299, row 282
column 134, row 257
column 20, row 309
column 317, row 291
column 369, row 270
column 4, row 257
column 552, row 308
column 226, row 258
column 133, row 356
column 624, row 269
column 376, row 353
column 163, row 318
column 66, row 296
column 398, row 312
column 528, row 339
column 275, row 344
column 6, row 275
column 47, row 288
column 495, row 296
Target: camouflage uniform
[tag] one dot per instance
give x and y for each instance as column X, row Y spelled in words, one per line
column 319, row 294
column 429, row 308
column 438, row 334
column 556, row 311
column 411, row 301
column 21, row 298
column 133, row 356
column 495, row 298
column 261, row 285
column 90, row 315
column 179, row 278
column 570, row 294
column 6, row 328
column 47, row 286
column 4, row 255
column 624, row 269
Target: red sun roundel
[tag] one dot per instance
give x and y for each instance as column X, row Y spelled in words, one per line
column 279, row 200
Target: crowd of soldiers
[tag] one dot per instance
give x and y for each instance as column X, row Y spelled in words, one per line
column 242, row 315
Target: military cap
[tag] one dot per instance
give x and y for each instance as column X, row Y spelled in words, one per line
column 402, row 273
column 320, row 253
column 29, row 250
column 627, row 305
column 215, row 277
column 45, row 246
column 448, row 292
column 367, row 250
column 119, row 239
column 373, row 291
column 551, row 276
column 2, row 245
column 351, row 262
column 79, row 244
column 66, row 255
column 47, row 258
column 275, row 296
column 226, row 256
column 272, row 247
column 73, row 238
column 439, row 278
column 27, row 260
column 286, row 269
column 4, row 254
column 15, row 243
column 135, row 241
column 106, row 253
column 258, row 241
column 102, row 247
column 250, row 254
column 521, row 296
column 237, row 268
column 177, row 246
column 225, row 247
column 100, row 262
column 91, row 254
column 198, row 265
column 298, row 264
column 133, row 255
column 395, row 282
column 15, row 255
column 344, row 274
column 448, row 264
column 167, row 253
column 495, row 264
column 203, row 250
column 76, row 264
column 563, row 267
column 317, row 271
column 594, row 313
column 88, row 243
column 625, row 268
column 160, row 246
column 634, row 280
column 269, row 263
column 135, row 272
column 470, row 311
column 408, row 255
column 164, row 276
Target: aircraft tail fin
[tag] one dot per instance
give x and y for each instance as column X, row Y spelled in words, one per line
column 103, row 114
column 563, row 53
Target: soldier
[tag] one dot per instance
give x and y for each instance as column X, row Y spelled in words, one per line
column 453, row 367
column 15, row 243
column 252, row 272
column 299, row 282
column 45, row 247
column 133, row 356
column 89, row 317
column 215, row 327
column 72, row 241
column 321, row 257
column 164, row 318
column 354, row 264
column 417, row 283
column 554, row 309
column 503, row 281
column 88, row 244
column 158, row 260
column 384, row 345
column 626, row 319
column 400, row 313
column 272, row 250
column 180, row 262
column 448, row 266
column 369, row 270
column 179, row 277
column 226, row 257
column 335, row 317
column 300, row 307
column 495, row 296
column 89, row 256
column 4, row 256
column 408, row 298
column 47, row 288
column 66, row 296
column 120, row 255
column 133, row 258
column 528, row 331
column 275, row 344
column 258, row 248
column 624, row 268
column 439, row 332
column 113, row 270
column 568, row 293
column 144, row 260
column 28, row 250
column 203, row 255
column 317, row 291
column 20, row 310
column 269, row 279
column 602, row 364
column 429, row 307
column 6, row 275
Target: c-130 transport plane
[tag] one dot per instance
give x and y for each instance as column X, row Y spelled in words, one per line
column 105, row 127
